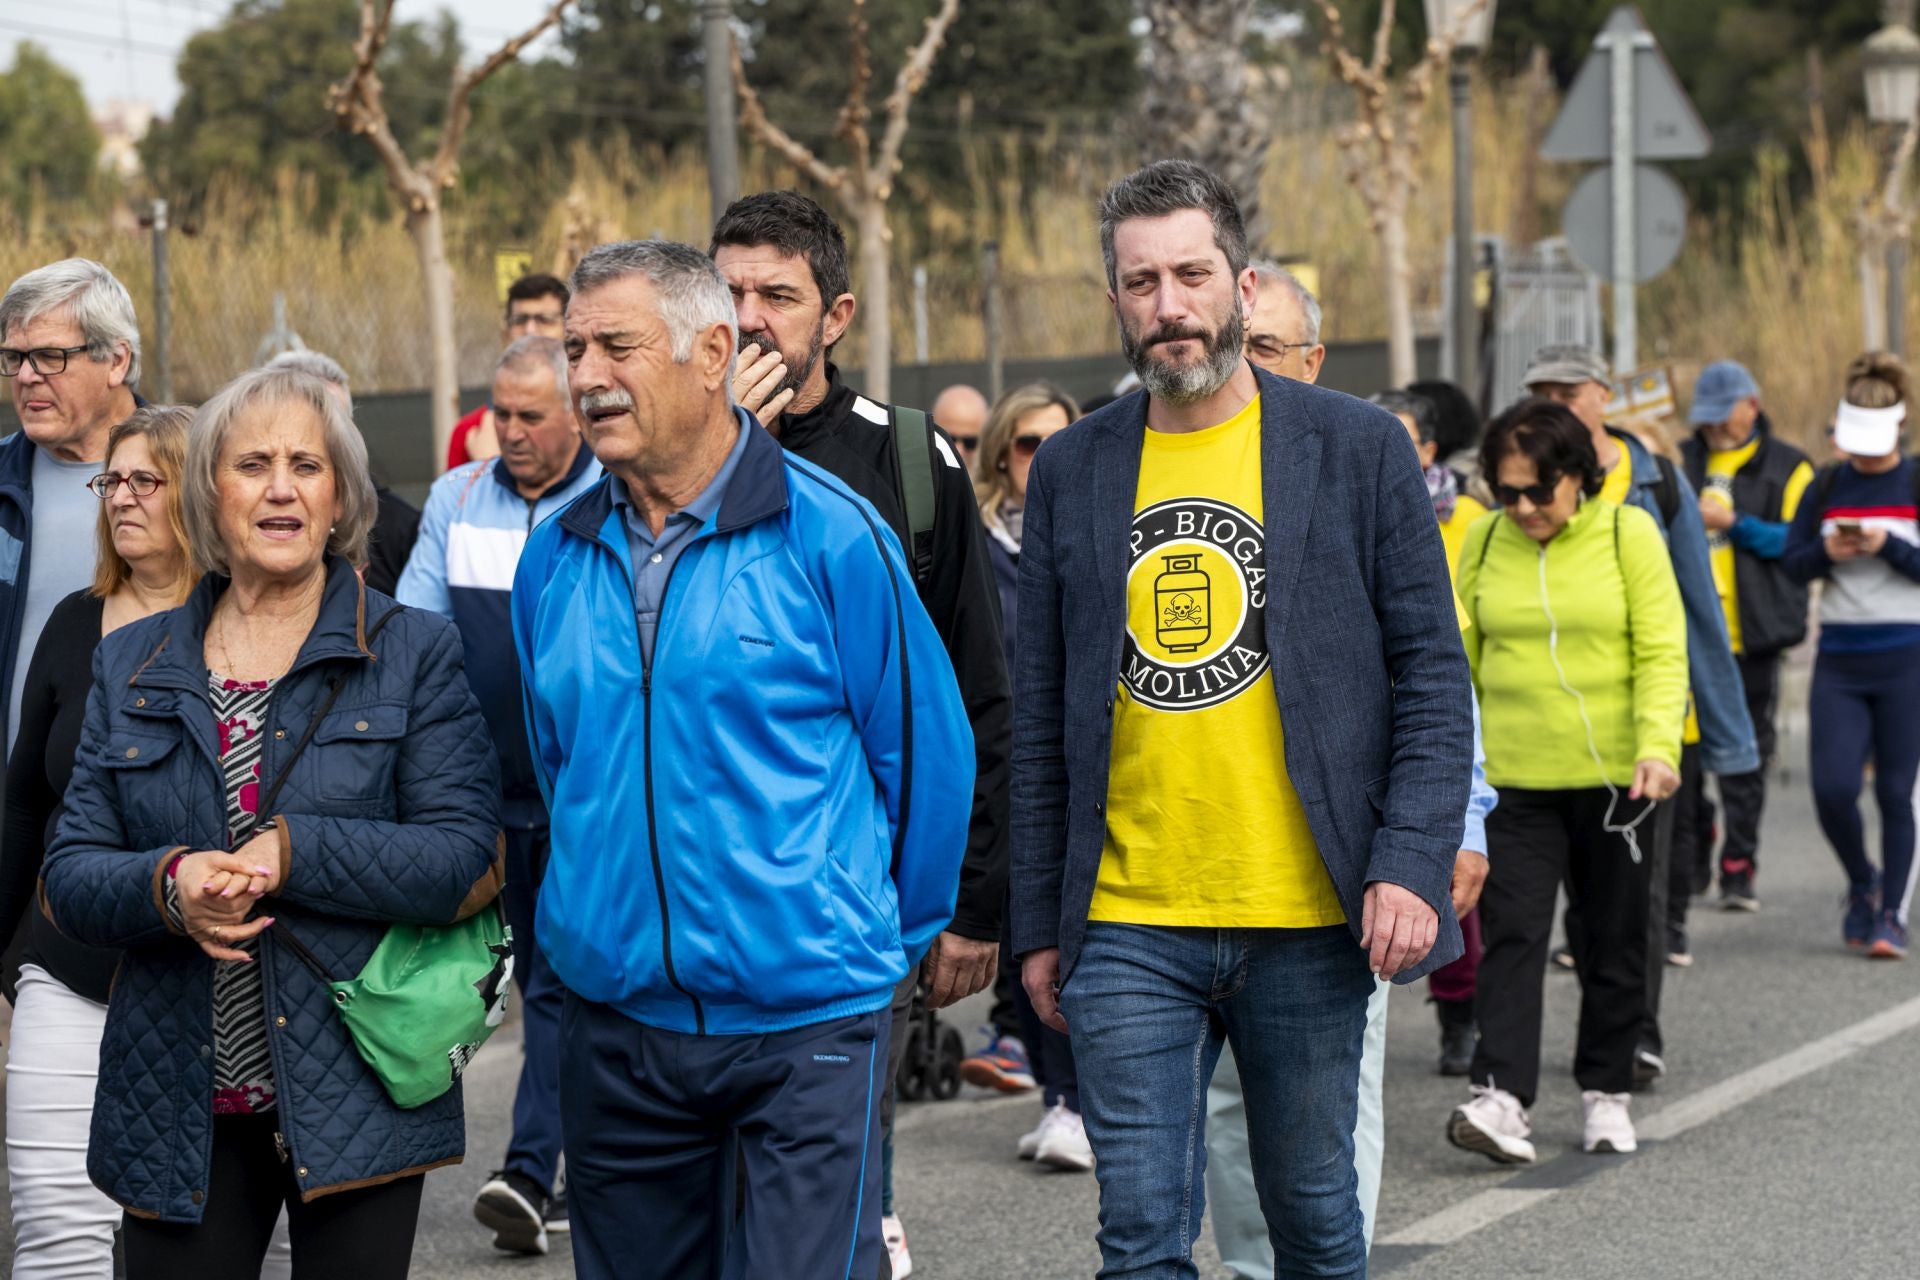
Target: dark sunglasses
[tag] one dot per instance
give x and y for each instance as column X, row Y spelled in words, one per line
column 969, row 443
column 1027, row 445
column 141, row 484
column 1540, row 495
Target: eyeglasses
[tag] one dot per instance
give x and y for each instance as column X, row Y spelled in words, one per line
column 1540, row 495
column 1271, row 350
column 969, row 443
column 1028, row 444
column 141, row 484
column 528, row 319
column 46, row 361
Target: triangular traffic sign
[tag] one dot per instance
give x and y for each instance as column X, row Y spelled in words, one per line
column 1665, row 124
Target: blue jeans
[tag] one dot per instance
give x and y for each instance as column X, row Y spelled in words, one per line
column 1149, row 1009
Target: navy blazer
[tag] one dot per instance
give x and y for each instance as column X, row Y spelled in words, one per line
column 1368, row 666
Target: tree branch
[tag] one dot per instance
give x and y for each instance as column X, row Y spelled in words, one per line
column 753, row 118
column 459, row 107
column 1383, row 38
column 854, row 113
column 358, row 102
column 912, row 78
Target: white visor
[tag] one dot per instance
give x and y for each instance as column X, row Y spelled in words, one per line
column 1868, row 433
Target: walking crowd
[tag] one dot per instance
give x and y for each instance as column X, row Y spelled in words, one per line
column 738, row 720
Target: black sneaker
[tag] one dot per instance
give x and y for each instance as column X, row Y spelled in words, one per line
column 1648, row 1067
column 1736, row 892
column 557, row 1223
column 1679, row 954
column 1457, row 1036
column 514, row 1206
column 1563, row 960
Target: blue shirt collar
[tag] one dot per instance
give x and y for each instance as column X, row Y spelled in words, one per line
column 703, row 507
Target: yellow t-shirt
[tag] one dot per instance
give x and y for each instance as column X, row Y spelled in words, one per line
column 1614, row 488
column 1721, row 468
column 1203, row 826
column 1453, row 531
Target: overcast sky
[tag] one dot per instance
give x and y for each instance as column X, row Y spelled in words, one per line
column 125, row 49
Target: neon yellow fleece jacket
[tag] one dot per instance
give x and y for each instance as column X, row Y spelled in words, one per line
column 1605, row 583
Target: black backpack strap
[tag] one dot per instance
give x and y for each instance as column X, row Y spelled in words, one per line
column 1666, row 491
column 912, row 445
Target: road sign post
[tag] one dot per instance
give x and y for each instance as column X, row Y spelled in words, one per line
column 1626, row 105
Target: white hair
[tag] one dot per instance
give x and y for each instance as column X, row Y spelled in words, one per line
column 693, row 294
column 317, row 363
column 535, row 351
column 1268, row 272
column 98, row 303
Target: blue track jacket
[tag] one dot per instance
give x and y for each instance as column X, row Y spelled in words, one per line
column 763, row 829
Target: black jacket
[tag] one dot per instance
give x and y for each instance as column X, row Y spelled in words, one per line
column 849, row 436
column 396, row 525
column 1773, row 607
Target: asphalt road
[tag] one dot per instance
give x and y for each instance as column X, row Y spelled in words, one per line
column 1786, row 1135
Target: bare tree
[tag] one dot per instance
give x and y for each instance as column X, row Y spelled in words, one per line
column 865, row 183
column 1380, row 148
column 1197, row 105
column 359, row 104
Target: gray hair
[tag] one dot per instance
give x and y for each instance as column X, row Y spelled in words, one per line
column 1167, row 187
column 535, row 351
column 98, row 303
column 693, row 293
column 318, row 364
column 1419, row 408
column 1267, row 272
column 272, row 388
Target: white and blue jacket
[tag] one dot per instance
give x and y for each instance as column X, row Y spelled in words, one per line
column 762, row 827
column 471, row 534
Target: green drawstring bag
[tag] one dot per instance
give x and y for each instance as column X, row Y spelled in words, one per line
column 425, row 1001
column 429, row 995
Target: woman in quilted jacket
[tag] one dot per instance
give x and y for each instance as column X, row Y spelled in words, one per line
column 290, row 747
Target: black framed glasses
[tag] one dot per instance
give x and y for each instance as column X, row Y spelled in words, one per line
column 46, row 361
column 969, row 443
column 141, row 484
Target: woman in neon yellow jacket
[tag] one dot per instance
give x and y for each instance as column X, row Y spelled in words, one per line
column 1579, row 654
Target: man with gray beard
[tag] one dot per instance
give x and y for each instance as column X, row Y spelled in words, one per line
column 1242, row 745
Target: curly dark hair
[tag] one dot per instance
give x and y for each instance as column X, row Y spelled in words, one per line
column 1547, row 432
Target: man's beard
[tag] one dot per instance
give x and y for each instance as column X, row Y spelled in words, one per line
column 1187, row 383
column 797, row 371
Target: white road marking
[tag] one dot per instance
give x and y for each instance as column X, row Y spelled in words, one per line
column 1460, row 1220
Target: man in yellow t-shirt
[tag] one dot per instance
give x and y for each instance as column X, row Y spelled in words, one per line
column 1750, row 484
column 1243, row 744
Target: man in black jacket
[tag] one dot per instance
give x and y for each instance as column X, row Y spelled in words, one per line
column 1750, row 485
column 786, row 261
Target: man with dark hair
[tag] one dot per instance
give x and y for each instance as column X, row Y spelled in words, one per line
column 1243, row 745
column 785, row 261
column 1243, row 729
column 536, row 308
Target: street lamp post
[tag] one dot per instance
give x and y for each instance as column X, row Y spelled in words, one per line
column 1891, row 63
column 1470, row 21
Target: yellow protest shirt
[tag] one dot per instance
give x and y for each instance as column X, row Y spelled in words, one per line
column 1203, row 827
column 1722, row 465
column 1453, row 530
column 1614, row 488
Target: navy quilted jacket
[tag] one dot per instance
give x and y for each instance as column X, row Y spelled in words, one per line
column 390, row 815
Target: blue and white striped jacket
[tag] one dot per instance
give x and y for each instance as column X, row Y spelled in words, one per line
column 471, row 535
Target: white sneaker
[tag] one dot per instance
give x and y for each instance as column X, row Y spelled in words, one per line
column 1063, row 1141
column 1494, row 1124
column 896, row 1237
column 1609, row 1127
column 1029, row 1144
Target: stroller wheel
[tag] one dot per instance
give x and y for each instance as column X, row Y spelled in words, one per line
column 946, row 1080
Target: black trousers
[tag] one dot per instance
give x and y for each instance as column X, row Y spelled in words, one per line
column 1692, row 823
column 365, row 1234
column 1744, row 795
column 1538, row 840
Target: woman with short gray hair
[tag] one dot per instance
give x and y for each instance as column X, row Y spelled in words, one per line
column 285, row 732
